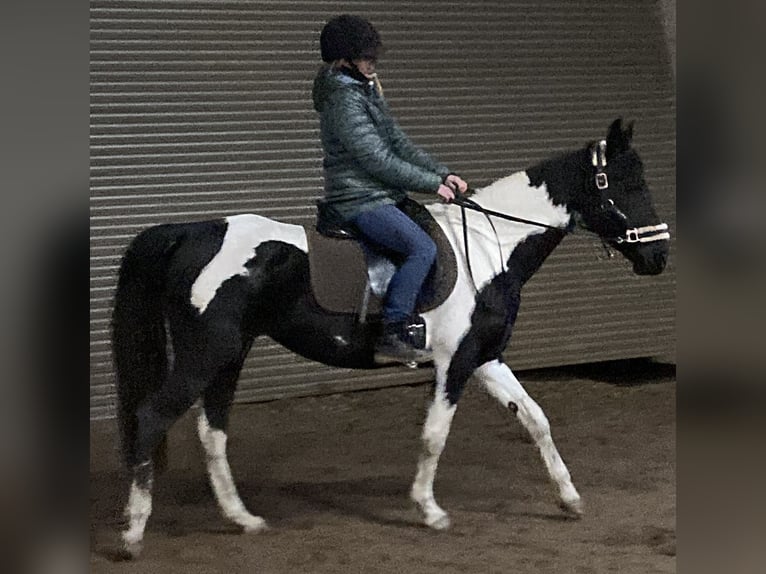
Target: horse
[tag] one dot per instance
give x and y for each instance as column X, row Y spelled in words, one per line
column 192, row 297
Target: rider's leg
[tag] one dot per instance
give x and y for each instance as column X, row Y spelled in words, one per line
column 389, row 229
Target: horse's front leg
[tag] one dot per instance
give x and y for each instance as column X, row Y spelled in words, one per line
column 451, row 377
column 504, row 386
column 435, row 431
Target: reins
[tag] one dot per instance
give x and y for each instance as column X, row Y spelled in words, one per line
column 466, row 203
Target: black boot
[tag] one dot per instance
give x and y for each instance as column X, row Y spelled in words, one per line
column 398, row 344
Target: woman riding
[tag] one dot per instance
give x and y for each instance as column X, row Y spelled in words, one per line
column 369, row 165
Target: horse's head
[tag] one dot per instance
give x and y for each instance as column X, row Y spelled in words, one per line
column 615, row 202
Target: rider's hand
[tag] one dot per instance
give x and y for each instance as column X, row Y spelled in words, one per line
column 456, row 183
column 445, row 193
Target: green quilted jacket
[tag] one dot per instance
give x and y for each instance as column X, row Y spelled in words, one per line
column 368, row 160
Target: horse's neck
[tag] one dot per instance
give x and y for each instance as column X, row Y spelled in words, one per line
column 516, row 195
column 542, row 192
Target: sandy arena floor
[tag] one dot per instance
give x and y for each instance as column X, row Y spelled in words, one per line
column 331, row 475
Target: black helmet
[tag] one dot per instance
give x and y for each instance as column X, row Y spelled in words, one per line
column 350, row 38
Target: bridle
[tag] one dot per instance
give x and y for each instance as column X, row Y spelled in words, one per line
column 645, row 234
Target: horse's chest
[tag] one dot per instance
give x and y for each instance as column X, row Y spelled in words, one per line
column 495, row 311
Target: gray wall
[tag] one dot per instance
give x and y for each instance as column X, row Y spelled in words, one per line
column 202, row 109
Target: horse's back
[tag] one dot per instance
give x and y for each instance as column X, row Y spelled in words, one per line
column 257, row 229
column 235, row 235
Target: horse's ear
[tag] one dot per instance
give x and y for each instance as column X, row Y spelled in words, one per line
column 629, row 131
column 618, row 139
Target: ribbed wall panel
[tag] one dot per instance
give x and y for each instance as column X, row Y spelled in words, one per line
column 203, row 109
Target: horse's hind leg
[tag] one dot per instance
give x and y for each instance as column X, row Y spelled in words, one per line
column 201, row 355
column 212, row 424
column 139, row 507
column 155, row 417
column 504, row 386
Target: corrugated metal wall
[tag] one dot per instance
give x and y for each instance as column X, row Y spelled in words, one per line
column 203, row 109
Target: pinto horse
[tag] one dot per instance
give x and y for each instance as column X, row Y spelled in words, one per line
column 201, row 292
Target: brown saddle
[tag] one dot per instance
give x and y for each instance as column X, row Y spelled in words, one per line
column 346, row 280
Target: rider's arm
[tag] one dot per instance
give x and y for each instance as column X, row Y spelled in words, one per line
column 353, row 126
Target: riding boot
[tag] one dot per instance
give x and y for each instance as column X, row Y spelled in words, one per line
column 399, row 343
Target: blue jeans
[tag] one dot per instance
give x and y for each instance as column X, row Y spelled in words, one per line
column 386, row 228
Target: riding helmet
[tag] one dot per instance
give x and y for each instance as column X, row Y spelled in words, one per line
column 349, row 37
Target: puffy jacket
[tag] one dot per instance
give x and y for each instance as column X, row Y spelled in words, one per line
column 368, row 160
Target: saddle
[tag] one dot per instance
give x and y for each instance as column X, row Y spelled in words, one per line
column 346, row 278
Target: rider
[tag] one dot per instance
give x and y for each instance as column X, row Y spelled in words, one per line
column 369, row 165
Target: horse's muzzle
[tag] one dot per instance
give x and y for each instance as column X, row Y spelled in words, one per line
column 650, row 258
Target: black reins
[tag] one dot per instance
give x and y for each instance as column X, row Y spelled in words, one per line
column 466, row 203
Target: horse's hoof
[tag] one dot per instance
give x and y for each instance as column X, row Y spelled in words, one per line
column 254, row 524
column 575, row 507
column 132, row 548
column 439, row 523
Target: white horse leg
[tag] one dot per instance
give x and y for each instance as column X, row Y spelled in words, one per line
column 214, row 442
column 139, row 507
column 435, row 431
column 505, row 387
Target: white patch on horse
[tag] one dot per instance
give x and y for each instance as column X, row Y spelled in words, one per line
column 221, row 479
column 439, row 416
column 137, row 511
column 435, row 432
column 514, row 195
column 243, row 234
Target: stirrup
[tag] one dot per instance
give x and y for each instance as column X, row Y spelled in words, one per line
column 411, row 360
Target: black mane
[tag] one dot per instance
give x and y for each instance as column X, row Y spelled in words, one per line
column 558, row 174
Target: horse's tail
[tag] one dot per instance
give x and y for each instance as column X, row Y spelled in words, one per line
column 138, row 330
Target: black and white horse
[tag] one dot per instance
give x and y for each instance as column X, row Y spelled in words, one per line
column 211, row 287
